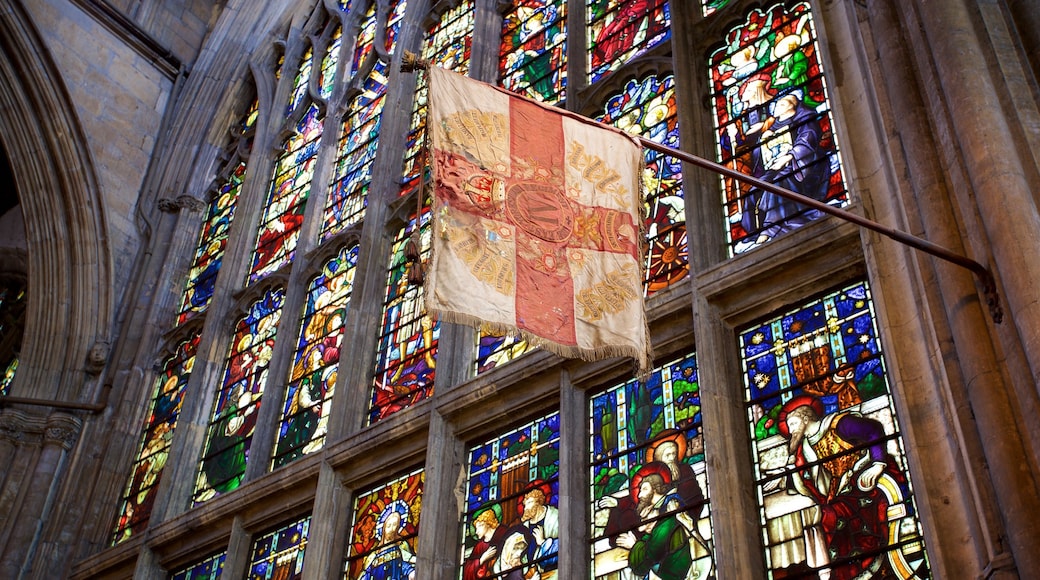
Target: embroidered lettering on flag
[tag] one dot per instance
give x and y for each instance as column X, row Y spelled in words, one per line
column 536, row 217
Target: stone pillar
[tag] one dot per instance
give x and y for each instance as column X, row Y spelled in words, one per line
column 575, row 511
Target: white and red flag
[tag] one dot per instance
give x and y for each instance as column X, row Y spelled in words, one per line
column 536, row 222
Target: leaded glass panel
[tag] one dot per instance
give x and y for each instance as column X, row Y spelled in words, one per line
column 647, row 108
column 649, row 486
column 512, row 504
column 12, row 323
column 312, row 378
column 328, row 64
column 408, row 340
column 385, row 530
column 773, row 121
column 209, row 569
column 620, row 30
column 831, row 472
column 533, row 55
column 156, row 438
column 278, row 555
column 230, row 432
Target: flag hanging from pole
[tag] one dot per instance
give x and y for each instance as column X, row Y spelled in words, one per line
column 536, row 222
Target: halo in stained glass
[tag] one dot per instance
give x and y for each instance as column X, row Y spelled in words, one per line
column 830, row 466
column 773, row 121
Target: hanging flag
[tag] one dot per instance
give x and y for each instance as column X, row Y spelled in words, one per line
column 536, row 222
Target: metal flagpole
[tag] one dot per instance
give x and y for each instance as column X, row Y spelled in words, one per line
column 989, row 287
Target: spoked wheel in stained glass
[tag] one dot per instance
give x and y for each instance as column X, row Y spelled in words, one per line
column 154, row 447
column 385, row 530
column 831, row 470
column 511, row 527
column 649, row 503
column 230, row 431
column 620, row 30
column 447, row 45
column 408, row 341
column 208, row 569
column 532, row 58
column 312, row 378
column 647, row 108
column 773, row 121
column 278, row 555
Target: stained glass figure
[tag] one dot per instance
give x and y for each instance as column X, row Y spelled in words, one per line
column 447, row 45
column 512, row 504
column 773, row 121
column 393, row 25
column 12, row 327
column 494, row 350
column 385, row 530
column 709, row 7
column 208, row 569
column 278, row 555
column 348, row 196
column 406, row 362
column 620, row 30
column 156, row 437
column 649, row 487
column 312, row 378
column 209, row 252
column 283, row 213
column 647, row 108
column 230, row 432
column 532, row 58
column 830, row 466
column 328, row 64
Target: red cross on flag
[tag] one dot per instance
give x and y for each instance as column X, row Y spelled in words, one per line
column 536, row 222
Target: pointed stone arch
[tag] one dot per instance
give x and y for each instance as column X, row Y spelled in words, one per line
column 70, row 295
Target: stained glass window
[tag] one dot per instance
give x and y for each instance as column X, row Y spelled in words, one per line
column 312, row 378
column 620, row 30
column 512, row 504
column 12, row 323
column 208, row 569
column 532, row 58
column 348, row 195
column 386, row 527
column 831, row 470
column 283, row 213
column 278, row 555
column 230, row 432
column 494, row 350
column 647, row 108
column 154, row 447
column 408, row 340
column 447, row 45
column 209, row 252
column 773, row 121
column 328, row 64
column 300, row 82
column 649, row 488
column 357, row 151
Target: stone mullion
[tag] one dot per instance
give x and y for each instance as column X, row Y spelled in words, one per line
column 236, row 564
column 575, row 510
column 438, row 542
column 487, row 41
column 329, row 529
column 577, row 66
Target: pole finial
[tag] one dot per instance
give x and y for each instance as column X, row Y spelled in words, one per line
column 410, row 62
